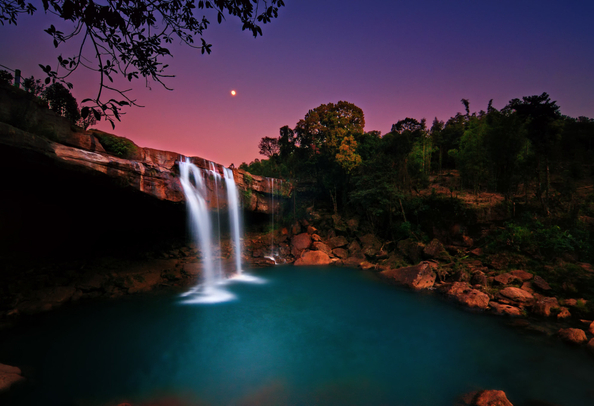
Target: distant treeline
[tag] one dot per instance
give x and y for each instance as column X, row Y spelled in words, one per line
column 519, row 151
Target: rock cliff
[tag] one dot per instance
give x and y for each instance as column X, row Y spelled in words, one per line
column 150, row 171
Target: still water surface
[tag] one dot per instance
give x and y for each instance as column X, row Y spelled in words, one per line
column 309, row 336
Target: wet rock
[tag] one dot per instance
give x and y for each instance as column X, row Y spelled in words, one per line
column 464, row 294
column 543, row 307
column 366, row 265
column 313, row 258
column 517, row 295
column 540, row 283
column 417, row 277
column 340, row 253
column 503, row 309
column 435, row 249
column 572, row 335
column 504, row 278
column 522, row 275
column 9, row 375
column 337, row 242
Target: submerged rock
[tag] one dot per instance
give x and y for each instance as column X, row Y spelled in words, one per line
column 417, row 277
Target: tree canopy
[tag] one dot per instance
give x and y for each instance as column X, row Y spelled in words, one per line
column 131, row 37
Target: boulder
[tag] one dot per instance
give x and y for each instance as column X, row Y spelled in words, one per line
column 354, row 247
column 517, row 295
column 522, row 275
column 337, row 242
column 464, row 294
column 371, row 244
column 340, row 253
column 417, row 277
column 504, row 278
column 540, row 283
column 491, row 398
column 354, row 260
column 505, row 310
column 9, row 376
column 543, row 306
column 316, row 237
column 563, row 313
column 320, row 246
column 591, row 329
column 311, row 230
column 479, row 278
column 411, row 249
column 313, row 258
column 572, row 335
column 436, row 250
column 301, row 241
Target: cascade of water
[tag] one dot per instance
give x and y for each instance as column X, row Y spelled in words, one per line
column 271, row 180
column 233, row 202
column 200, row 225
column 217, row 176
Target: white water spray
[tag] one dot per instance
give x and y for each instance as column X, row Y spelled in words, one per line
column 233, row 202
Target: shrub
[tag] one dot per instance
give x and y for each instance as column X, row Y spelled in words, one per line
column 121, row 147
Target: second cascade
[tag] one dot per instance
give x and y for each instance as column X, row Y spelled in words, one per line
column 201, row 201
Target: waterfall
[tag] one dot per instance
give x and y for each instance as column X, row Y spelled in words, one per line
column 195, row 190
column 233, row 201
column 272, row 255
column 193, row 180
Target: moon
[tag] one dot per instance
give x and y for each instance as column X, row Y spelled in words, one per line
column 233, row 92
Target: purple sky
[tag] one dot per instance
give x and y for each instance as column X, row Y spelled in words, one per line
column 394, row 59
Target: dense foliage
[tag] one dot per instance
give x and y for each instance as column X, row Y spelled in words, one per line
column 527, row 152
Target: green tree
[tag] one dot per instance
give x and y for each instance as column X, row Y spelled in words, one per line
column 131, row 38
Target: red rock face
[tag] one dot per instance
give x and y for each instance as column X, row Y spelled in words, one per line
column 147, row 170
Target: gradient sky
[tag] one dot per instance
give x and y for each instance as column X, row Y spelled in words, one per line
column 394, row 59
